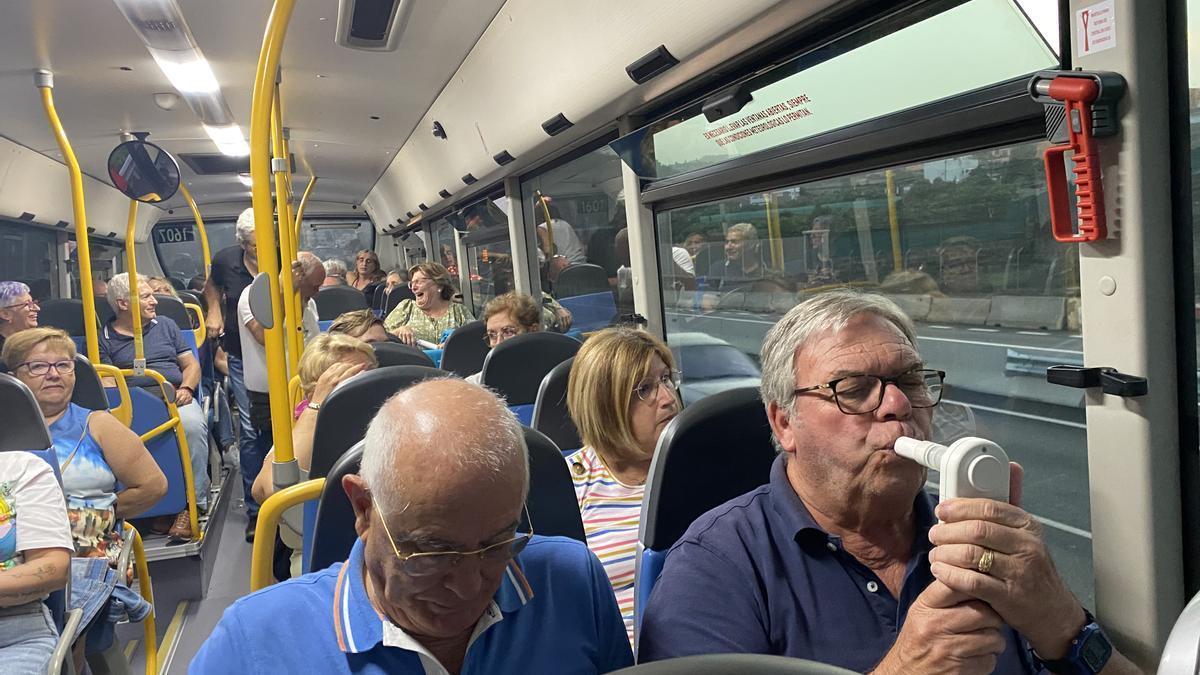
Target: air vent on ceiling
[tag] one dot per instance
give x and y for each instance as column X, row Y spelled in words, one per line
column 211, row 164
column 25, row 215
column 468, row 179
column 422, row 206
column 111, row 235
column 503, row 157
column 556, row 125
column 372, row 25
column 91, row 230
column 444, row 194
column 651, row 64
column 63, row 224
column 409, row 214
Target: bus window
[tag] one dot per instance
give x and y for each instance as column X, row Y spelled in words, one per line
column 339, row 240
column 963, row 245
column 489, row 253
column 177, row 245
column 27, row 254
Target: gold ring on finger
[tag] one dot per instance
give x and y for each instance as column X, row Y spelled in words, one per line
column 985, row 561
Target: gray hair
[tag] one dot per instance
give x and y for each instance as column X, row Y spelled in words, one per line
column 335, row 268
column 245, row 226
column 746, row 230
column 493, row 441
column 830, row 310
column 118, row 288
column 10, row 291
column 309, row 263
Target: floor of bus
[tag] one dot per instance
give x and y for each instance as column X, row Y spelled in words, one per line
column 186, row 608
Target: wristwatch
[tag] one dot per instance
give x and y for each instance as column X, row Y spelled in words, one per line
column 1090, row 651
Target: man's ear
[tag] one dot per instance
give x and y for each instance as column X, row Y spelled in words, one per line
column 782, row 425
column 360, row 501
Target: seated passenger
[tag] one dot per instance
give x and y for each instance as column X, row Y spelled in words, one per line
column 35, row 559
column 366, row 270
column 167, row 354
column 622, row 393
column 335, row 273
column 395, row 279
column 439, row 581
column 840, row 557
column 432, row 313
column 506, row 317
column 360, row 323
column 327, row 361
column 18, row 309
column 160, row 286
column 106, row 471
column 743, row 262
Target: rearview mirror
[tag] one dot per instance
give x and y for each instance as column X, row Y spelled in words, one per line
column 143, row 171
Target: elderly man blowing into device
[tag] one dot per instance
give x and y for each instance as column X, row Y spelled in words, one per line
column 840, row 557
column 441, row 580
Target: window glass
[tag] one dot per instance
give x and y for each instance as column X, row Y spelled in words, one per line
column 973, row 45
column 586, row 205
column 489, row 252
column 27, row 254
column 443, row 248
column 963, row 245
column 336, row 239
column 178, row 247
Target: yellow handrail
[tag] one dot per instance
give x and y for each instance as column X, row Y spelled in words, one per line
column 287, row 248
column 44, row 80
column 889, row 177
column 149, row 632
column 269, row 514
column 124, row 411
column 294, row 391
column 201, row 332
column 199, row 228
column 541, row 198
column 135, row 300
column 774, row 231
column 303, row 203
column 260, row 169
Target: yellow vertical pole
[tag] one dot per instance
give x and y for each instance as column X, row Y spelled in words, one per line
column 199, row 227
column 287, row 248
column 135, row 301
column 774, row 231
column 44, row 80
column 268, row 261
column 149, row 630
column 893, row 220
column 303, row 203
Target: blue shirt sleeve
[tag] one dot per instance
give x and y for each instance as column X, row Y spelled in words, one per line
column 102, row 349
column 702, row 604
column 612, row 640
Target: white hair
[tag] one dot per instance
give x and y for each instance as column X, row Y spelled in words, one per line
column 830, row 310
column 118, row 288
column 335, row 268
column 491, row 439
column 309, row 263
column 245, row 226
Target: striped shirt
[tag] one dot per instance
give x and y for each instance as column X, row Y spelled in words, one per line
column 611, row 512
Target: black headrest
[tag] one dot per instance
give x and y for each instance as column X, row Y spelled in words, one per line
column 333, row 534
column 581, row 279
column 192, row 297
column 398, row 293
column 396, row 354
column 172, row 308
column 378, row 296
column 716, row 449
column 64, row 313
column 24, row 426
column 465, row 350
column 89, row 391
column 333, row 301
column 515, row 368
column 550, row 413
column 104, row 311
column 744, row 664
column 348, row 411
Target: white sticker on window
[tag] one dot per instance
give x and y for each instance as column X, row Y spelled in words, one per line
column 1095, row 28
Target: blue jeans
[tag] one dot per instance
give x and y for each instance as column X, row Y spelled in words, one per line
column 250, row 452
column 195, row 428
column 219, row 422
column 27, row 641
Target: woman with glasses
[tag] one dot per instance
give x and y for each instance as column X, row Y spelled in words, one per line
column 506, row 317
column 107, row 472
column 18, row 309
column 433, row 311
column 366, row 270
column 622, row 392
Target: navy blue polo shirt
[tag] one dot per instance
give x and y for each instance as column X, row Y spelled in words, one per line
column 162, row 342
column 554, row 613
column 758, row 575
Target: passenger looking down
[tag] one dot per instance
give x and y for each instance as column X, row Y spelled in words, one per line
column 232, row 271
column 743, row 263
column 107, row 473
column 432, row 313
column 840, row 558
column 622, row 392
column 366, row 270
column 505, row 317
column 335, row 273
column 168, row 355
column 99, row 288
column 361, row 324
column 439, row 580
column 18, row 309
column 35, row 559
column 566, row 242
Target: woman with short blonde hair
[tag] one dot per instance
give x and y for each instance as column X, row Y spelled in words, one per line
column 622, row 392
column 362, row 324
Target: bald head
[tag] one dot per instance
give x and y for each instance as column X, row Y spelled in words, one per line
column 441, row 438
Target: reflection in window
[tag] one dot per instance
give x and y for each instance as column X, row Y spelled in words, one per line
column 489, row 253
column 337, row 240
column 180, row 253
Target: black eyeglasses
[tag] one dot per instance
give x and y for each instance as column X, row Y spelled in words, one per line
column 862, row 394
column 440, row 562
column 42, row 368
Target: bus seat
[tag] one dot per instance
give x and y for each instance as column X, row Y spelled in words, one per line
column 24, row 427
column 396, row 354
column 745, row 664
column 149, row 412
column 581, row 279
column 64, row 313
column 465, row 350
column 333, row 301
column 552, row 504
column 550, row 414
column 346, row 413
column 716, row 449
column 515, row 368
column 392, row 299
column 592, row 311
column 89, row 391
column 194, row 298
column 172, row 308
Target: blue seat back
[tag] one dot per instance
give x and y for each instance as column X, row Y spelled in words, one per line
column 464, row 351
column 149, row 412
column 333, row 301
column 396, row 354
column 515, row 368
column 550, row 413
column 592, row 311
column 715, row 450
column 581, row 279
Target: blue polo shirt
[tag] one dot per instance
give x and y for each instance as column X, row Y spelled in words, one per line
column 554, row 613
column 758, row 575
column 162, row 342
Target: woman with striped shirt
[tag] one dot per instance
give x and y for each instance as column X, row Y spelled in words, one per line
column 622, row 393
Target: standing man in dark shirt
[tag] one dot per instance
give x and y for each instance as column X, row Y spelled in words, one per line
column 233, row 269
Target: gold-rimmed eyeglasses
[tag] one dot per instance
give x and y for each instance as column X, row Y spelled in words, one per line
column 425, row 564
